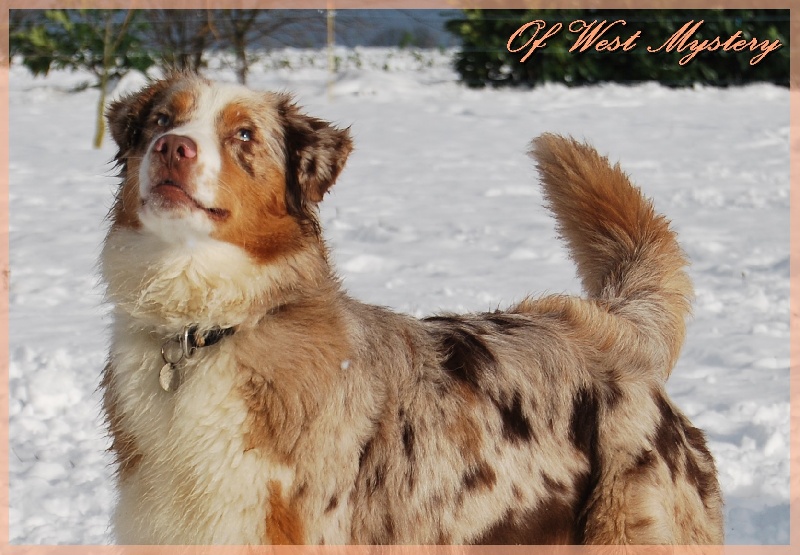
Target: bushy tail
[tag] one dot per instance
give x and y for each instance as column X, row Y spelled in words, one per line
column 626, row 254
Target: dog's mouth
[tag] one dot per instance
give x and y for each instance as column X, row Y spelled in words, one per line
column 171, row 194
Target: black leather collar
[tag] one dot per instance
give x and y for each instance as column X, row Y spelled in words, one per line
column 178, row 349
column 196, row 340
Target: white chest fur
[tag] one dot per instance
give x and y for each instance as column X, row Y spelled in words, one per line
column 195, row 465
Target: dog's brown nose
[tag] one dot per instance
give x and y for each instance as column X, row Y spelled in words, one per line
column 175, row 149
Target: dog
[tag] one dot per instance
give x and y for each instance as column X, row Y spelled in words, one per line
column 250, row 400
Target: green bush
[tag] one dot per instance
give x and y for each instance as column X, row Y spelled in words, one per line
column 105, row 42
column 101, row 41
column 485, row 59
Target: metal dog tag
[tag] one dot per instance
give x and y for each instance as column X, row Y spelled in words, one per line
column 169, row 378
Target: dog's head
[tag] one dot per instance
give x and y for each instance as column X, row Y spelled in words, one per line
column 202, row 159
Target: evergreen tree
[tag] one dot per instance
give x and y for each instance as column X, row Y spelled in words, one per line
column 486, row 60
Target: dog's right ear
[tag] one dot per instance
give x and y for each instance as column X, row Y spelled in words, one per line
column 127, row 116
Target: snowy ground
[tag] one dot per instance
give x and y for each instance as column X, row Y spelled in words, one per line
column 438, row 209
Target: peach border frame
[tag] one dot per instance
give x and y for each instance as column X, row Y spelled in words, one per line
column 794, row 141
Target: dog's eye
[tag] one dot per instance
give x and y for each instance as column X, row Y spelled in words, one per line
column 162, row 120
column 244, row 135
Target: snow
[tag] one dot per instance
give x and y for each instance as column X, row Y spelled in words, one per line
column 438, row 209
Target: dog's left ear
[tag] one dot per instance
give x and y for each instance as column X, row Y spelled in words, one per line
column 316, row 152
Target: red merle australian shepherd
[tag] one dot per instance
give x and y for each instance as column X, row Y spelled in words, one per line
column 250, row 400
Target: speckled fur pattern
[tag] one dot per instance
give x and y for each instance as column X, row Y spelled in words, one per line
column 323, row 420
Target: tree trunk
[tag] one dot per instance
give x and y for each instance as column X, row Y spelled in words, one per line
column 110, row 46
column 108, row 52
column 242, row 65
column 100, row 128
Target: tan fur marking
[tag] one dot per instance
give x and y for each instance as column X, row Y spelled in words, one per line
column 467, row 435
column 258, row 223
column 254, row 190
column 123, row 444
column 181, row 104
column 124, row 212
column 284, row 526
